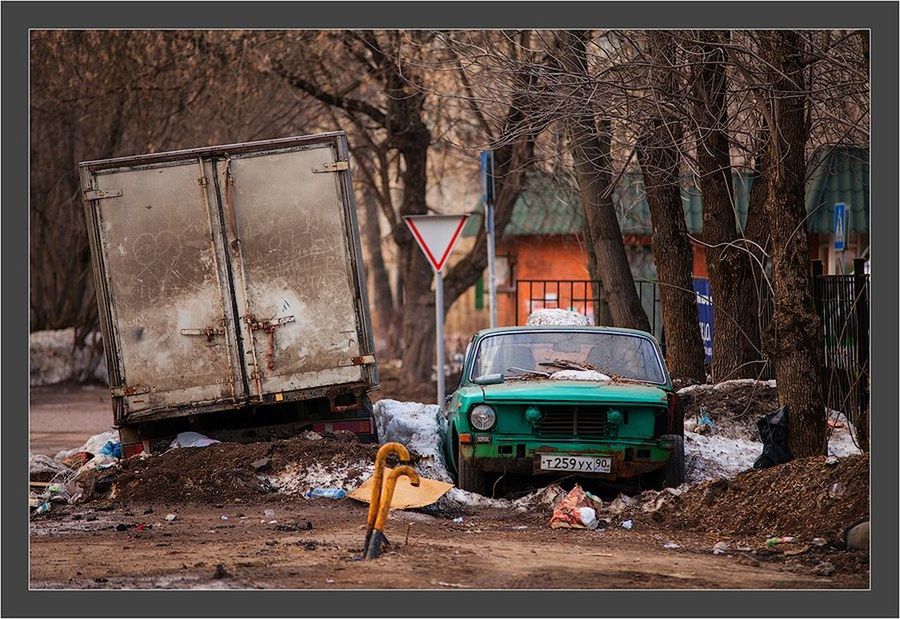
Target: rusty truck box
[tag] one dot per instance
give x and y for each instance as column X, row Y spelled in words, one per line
column 229, row 277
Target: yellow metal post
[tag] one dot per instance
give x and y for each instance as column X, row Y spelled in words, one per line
column 378, row 482
column 374, row 548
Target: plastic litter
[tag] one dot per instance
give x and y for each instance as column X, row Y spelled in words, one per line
column 170, row 517
column 458, row 519
column 627, row 524
column 819, row 541
column 192, row 439
column 773, row 432
column 269, row 513
column 326, row 493
column 671, row 545
column 575, row 511
column 704, row 421
column 112, row 449
column 775, row 541
column 720, row 548
column 43, row 508
column 77, row 459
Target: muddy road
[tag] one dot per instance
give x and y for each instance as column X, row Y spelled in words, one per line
column 316, row 544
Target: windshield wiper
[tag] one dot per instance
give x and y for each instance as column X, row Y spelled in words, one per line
column 525, row 374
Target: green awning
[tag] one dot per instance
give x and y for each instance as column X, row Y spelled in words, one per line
column 836, row 174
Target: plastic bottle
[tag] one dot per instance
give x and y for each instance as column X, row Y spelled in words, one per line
column 326, row 493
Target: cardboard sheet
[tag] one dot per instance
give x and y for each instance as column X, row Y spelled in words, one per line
column 406, row 496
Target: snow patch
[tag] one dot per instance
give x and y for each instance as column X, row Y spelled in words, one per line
column 417, row 427
column 727, row 384
column 710, row 456
column 557, row 318
column 588, row 375
column 55, row 357
column 297, row 479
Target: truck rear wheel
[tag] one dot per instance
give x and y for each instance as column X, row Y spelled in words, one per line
column 468, row 476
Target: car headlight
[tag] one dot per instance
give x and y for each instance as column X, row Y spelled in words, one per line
column 482, row 417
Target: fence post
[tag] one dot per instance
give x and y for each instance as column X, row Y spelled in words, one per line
column 861, row 309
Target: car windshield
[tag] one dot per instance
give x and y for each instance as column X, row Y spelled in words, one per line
column 618, row 355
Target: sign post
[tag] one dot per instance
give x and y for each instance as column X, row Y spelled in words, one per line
column 487, row 183
column 436, row 236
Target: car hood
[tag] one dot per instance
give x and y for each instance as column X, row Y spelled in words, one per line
column 548, row 391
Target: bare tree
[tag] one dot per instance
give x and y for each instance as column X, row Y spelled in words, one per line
column 736, row 336
column 658, row 149
column 590, row 148
column 797, row 333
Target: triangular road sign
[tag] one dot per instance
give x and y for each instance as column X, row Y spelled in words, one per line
column 436, row 235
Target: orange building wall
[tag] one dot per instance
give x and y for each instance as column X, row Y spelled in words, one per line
column 539, row 257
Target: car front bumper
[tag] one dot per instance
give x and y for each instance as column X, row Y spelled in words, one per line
column 521, row 455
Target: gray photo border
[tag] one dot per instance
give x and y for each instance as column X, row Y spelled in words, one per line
column 880, row 17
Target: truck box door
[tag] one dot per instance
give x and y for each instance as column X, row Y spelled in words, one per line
column 161, row 268
column 288, row 237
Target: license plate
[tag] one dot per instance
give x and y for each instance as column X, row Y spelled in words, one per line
column 576, row 464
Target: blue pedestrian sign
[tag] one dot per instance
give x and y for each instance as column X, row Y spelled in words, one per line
column 840, row 226
column 705, row 314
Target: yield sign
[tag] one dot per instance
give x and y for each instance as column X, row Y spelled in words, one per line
column 436, row 235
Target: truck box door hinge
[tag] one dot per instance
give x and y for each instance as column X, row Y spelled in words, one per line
column 100, row 194
column 334, row 166
column 129, row 391
column 361, row 360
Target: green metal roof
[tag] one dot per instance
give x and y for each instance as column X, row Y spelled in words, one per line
column 836, row 174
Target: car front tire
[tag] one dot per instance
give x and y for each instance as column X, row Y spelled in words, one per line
column 469, row 478
column 672, row 474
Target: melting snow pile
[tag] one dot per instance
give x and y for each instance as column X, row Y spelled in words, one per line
column 54, row 357
column 557, row 318
column 589, row 375
column 711, row 456
column 417, row 427
column 299, row 478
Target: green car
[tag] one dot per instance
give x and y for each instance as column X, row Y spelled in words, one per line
column 592, row 402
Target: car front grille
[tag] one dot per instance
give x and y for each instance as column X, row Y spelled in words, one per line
column 573, row 421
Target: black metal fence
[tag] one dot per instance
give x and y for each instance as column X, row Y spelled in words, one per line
column 842, row 302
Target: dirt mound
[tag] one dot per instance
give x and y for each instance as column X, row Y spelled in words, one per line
column 733, row 405
column 805, row 498
column 226, row 471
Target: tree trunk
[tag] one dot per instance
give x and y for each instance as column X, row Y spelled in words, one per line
column 593, row 171
column 796, row 331
column 380, row 288
column 672, row 252
column 658, row 154
column 418, row 326
column 601, row 307
column 736, row 333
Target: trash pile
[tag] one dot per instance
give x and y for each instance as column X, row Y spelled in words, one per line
column 722, row 435
column 226, row 471
column 72, row 475
column 806, row 498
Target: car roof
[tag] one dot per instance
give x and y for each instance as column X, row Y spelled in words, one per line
column 574, row 328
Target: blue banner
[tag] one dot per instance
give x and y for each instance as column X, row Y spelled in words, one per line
column 704, row 314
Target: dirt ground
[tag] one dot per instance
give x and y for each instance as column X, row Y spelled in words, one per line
column 231, row 532
column 316, row 544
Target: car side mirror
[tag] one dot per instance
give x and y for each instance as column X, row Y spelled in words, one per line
column 489, row 379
